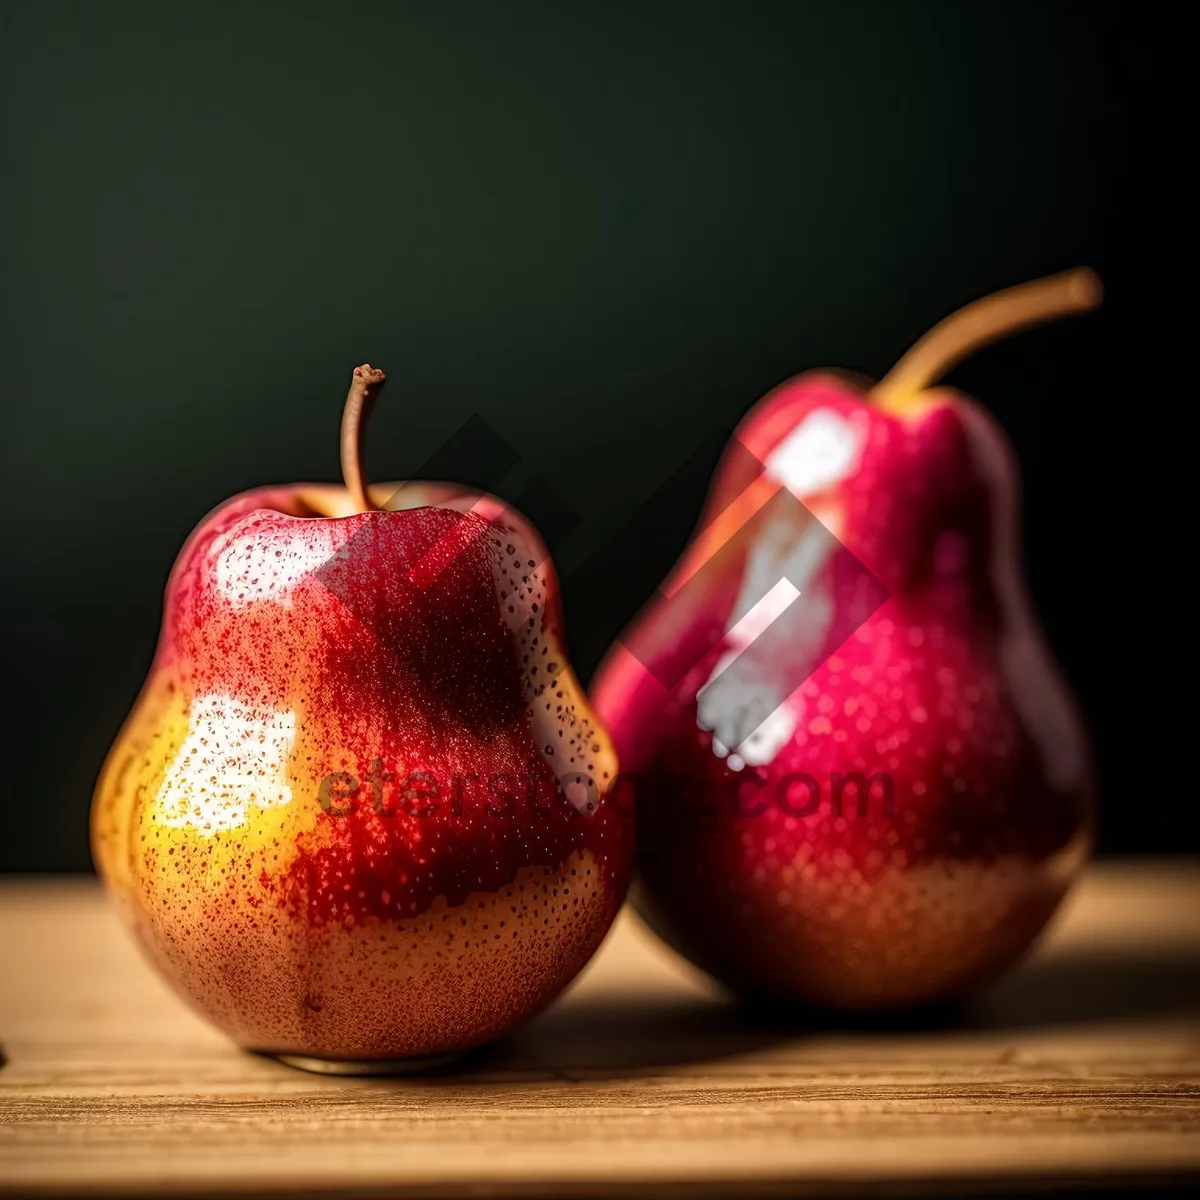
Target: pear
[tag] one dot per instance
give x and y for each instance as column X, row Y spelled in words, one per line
column 360, row 812
column 861, row 780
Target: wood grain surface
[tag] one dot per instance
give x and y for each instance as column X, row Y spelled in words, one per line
column 1081, row 1068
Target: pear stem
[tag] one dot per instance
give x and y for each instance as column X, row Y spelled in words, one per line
column 364, row 387
column 982, row 322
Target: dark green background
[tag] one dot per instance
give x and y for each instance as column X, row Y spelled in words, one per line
column 607, row 229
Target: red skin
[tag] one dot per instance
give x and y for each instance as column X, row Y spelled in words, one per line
column 307, row 920
column 947, row 688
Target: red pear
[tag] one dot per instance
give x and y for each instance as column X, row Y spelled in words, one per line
column 861, row 781
column 360, row 810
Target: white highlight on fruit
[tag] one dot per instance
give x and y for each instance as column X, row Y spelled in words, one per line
column 250, row 566
column 821, row 451
column 713, row 711
column 233, row 759
column 721, row 711
column 760, row 747
column 761, row 614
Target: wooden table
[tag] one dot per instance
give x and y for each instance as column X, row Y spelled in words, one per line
column 1081, row 1068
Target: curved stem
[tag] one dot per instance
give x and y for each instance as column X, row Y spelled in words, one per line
column 364, row 387
column 973, row 327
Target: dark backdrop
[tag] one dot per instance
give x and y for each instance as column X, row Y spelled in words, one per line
column 606, row 229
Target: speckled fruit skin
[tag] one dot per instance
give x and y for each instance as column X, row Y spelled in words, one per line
column 417, row 654
column 947, row 688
